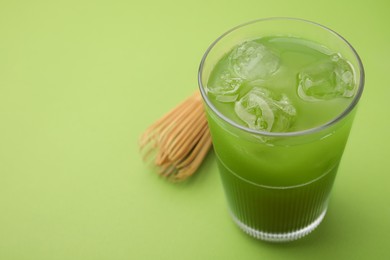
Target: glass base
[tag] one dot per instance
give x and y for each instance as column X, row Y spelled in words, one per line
column 280, row 237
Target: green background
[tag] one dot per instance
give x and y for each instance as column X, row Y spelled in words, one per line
column 81, row 80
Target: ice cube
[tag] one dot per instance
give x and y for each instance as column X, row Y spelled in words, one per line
column 251, row 60
column 225, row 87
column 260, row 109
column 326, row 79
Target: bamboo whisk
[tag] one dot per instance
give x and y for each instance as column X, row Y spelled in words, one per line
column 179, row 141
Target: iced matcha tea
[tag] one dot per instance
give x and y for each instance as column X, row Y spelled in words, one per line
column 280, row 98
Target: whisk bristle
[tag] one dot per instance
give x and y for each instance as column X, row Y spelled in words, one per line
column 179, row 141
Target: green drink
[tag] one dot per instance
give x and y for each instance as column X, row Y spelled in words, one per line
column 280, row 98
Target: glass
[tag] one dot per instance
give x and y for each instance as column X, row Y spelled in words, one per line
column 277, row 184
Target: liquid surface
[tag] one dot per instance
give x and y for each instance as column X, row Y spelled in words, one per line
column 281, row 84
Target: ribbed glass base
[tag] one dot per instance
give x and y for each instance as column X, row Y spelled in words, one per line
column 279, row 237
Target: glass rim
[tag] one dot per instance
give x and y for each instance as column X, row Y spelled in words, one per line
column 315, row 129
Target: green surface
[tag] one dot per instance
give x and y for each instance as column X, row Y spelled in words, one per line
column 81, row 80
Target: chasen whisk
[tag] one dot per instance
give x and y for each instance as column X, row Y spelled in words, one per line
column 178, row 142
